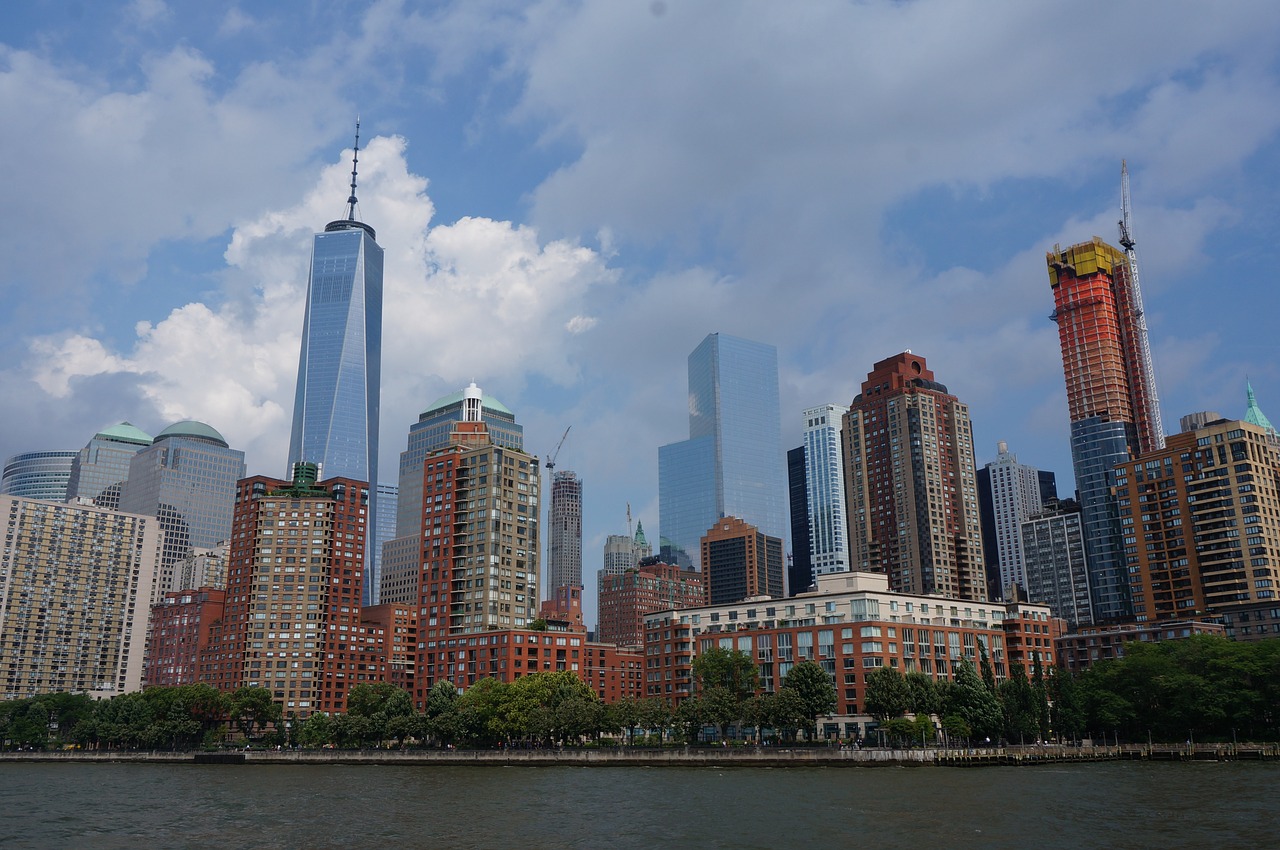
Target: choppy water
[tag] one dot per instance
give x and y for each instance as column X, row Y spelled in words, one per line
column 1122, row 805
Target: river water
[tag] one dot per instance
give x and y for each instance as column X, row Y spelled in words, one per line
column 1109, row 804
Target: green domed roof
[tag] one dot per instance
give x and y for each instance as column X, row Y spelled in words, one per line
column 193, row 429
column 125, row 432
column 487, row 401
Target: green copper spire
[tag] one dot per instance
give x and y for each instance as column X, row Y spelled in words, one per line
column 1253, row 414
column 640, row 538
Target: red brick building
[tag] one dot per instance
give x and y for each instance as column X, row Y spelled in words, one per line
column 399, row 625
column 179, row 630
column 653, row 586
column 1078, row 650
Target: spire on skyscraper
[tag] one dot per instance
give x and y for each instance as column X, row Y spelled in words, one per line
column 1253, row 414
column 355, row 159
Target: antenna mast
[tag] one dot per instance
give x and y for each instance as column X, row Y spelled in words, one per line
column 355, row 159
column 1151, row 401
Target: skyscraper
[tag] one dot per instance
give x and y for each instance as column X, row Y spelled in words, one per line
column 911, row 483
column 100, row 469
column 38, row 475
column 187, row 479
column 739, row 562
column 1112, row 408
column 1054, row 560
column 335, row 408
column 732, row 463
column 800, row 563
column 564, row 545
column 1008, row 493
column 824, row 482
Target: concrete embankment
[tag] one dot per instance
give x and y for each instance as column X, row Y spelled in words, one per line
column 675, row 757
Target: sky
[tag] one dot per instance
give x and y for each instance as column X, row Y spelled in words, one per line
column 572, row 195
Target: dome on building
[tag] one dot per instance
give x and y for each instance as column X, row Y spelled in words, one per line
column 487, row 401
column 193, row 430
column 125, row 432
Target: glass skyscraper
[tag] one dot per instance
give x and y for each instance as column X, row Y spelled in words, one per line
column 101, row 467
column 732, row 463
column 335, row 408
column 38, row 475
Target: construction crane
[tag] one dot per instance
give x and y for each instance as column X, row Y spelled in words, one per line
column 551, row 461
column 1148, row 377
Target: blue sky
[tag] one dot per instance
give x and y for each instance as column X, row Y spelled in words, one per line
column 572, row 195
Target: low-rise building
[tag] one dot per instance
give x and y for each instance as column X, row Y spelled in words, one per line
column 1078, row 650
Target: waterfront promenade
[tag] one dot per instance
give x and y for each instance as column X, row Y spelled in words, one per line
column 677, row 757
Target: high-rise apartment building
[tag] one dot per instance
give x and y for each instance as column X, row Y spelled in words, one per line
column 178, row 633
column 732, row 463
column 1054, row 559
column 100, row 469
column 336, row 406
column 1008, row 493
column 739, row 562
column 824, row 483
column 911, row 483
column 628, row 597
column 37, row 475
column 1201, row 532
column 1114, row 417
column 564, row 540
column 799, row 563
column 202, row 568
column 292, row 620
column 186, row 479
column 75, row 585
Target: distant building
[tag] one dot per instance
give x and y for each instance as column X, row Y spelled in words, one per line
column 626, row 598
column 186, row 479
column 1008, row 493
column 564, row 544
column 912, row 490
column 1057, row 568
column 400, row 625
column 101, row 468
column 295, row 575
column 178, row 633
column 38, row 475
column 824, row 480
column 739, row 562
column 75, row 585
column 800, row 564
column 732, row 463
column 384, row 528
column 202, row 568
column 1081, row 649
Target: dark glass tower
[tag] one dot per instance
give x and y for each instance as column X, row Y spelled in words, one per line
column 335, row 408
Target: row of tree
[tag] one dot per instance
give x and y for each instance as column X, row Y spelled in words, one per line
column 1202, row 688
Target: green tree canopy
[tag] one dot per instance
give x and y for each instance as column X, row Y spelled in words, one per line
column 887, row 695
column 731, row 669
column 815, row 688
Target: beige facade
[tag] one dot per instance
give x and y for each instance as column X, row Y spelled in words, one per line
column 75, row 585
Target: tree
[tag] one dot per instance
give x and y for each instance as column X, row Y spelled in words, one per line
column 370, row 698
column 815, row 688
column 721, row 708
column 887, row 694
column 252, row 708
column 924, row 696
column 316, row 731
column 1018, row 705
column 690, row 715
column 731, row 669
column 787, row 713
column 626, row 715
column 441, row 720
column 970, row 699
column 655, row 714
column 1068, row 713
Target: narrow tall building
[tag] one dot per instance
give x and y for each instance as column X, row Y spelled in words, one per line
column 336, row 405
column 1008, row 493
column 824, row 485
column 1054, row 559
column 75, row 586
column 799, row 563
column 1113, row 414
column 564, row 540
column 911, row 483
column 739, row 562
column 732, row 463
column 186, row 479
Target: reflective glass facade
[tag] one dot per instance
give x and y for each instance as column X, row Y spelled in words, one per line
column 686, row 497
column 824, row 481
column 38, row 475
column 733, row 403
column 335, row 408
column 101, row 468
column 1096, row 447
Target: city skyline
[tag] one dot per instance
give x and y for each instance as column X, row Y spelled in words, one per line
column 591, row 250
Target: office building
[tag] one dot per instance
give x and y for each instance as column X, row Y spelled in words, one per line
column 384, row 529
column 1110, row 398
column 732, row 463
column 911, row 482
column 824, row 481
column 564, row 539
column 292, row 621
column 628, row 597
column 186, row 479
column 336, row 405
column 38, row 475
column 100, row 469
column 1054, row 559
column 739, row 562
column 1201, row 533
column 75, row 585
column 1008, row 493
column 799, row 564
